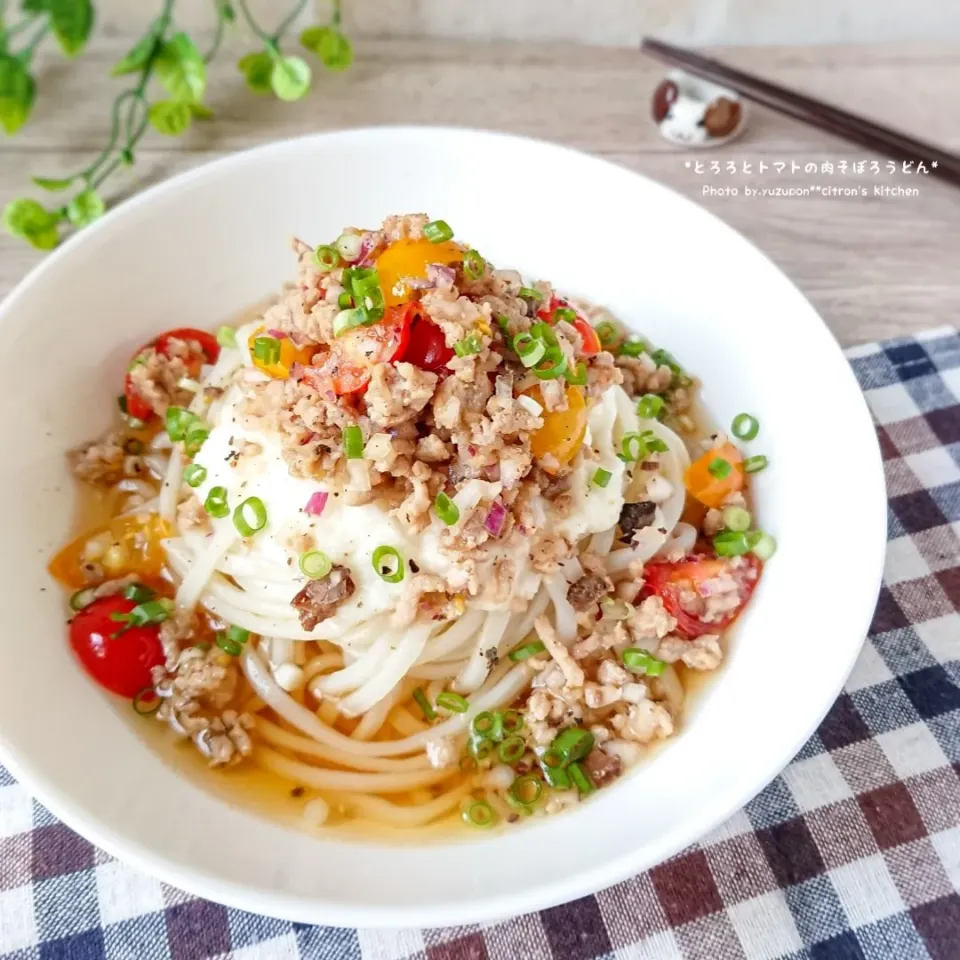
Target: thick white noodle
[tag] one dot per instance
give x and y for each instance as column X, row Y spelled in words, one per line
column 484, row 653
column 602, row 543
column 170, row 487
column 383, row 811
column 446, row 670
column 457, row 634
column 200, row 572
column 520, row 629
column 371, row 722
column 357, row 673
column 566, row 616
column 682, row 537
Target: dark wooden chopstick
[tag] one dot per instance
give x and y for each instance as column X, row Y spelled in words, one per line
column 815, row 113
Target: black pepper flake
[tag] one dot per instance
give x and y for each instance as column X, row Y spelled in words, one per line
column 413, row 566
column 297, row 792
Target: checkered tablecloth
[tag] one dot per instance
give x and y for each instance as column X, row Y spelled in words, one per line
column 853, row 852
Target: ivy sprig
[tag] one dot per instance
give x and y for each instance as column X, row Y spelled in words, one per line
column 164, row 54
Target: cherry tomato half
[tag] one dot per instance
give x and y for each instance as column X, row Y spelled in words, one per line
column 119, row 660
column 427, row 348
column 136, row 405
column 690, row 577
column 589, row 339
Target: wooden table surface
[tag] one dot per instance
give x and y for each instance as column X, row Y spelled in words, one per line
column 874, row 266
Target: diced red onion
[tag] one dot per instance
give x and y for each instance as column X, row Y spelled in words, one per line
column 417, row 283
column 440, row 274
column 367, row 246
column 495, row 519
column 276, row 334
column 316, row 503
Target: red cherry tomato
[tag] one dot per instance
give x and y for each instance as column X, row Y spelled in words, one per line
column 346, row 367
column 136, row 405
column 427, row 348
column 670, row 581
column 590, row 341
column 119, row 661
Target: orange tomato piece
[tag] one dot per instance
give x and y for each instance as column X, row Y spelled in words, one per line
column 563, row 431
column 130, row 544
column 409, row 258
column 710, row 490
column 290, row 354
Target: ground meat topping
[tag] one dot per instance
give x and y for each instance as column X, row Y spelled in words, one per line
column 320, row 598
column 636, row 516
column 586, row 591
column 101, row 462
column 602, row 767
column 155, row 377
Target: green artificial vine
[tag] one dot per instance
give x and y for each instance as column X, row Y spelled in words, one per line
column 163, row 54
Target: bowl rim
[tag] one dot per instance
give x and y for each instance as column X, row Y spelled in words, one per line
column 489, row 907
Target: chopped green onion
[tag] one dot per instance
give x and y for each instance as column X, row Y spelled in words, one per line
column 266, row 350
column 511, row 750
column 765, row 547
column 438, row 231
column 250, row 516
column 349, row 246
column 552, row 759
column 216, row 502
column 424, row 704
column 543, row 331
column 474, row 265
column 353, row 442
column 530, row 293
column 148, row 612
column 581, row 779
column 496, row 734
column 483, row 724
column 512, row 721
column 632, row 447
column 719, row 468
column 146, row 702
column 664, row 358
column 177, row 421
column 529, row 349
column 572, row 744
column 642, row 661
column 731, row 543
column 227, row 337
column 564, row 313
column 556, row 777
column 632, row 348
column 195, row 438
column 344, row 301
column 526, row 790
column 194, row 474
column 653, row 443
column 755, row 464
column 468, row 346
column 602, row 477
column 479, row 814
column 346, row 320
column 526, row 650
column 388, row 563
column 481, row 748
column 745, row 427
column 315, row 564
column 649, row 406
column 736, row 519
column 446, row 509
column 229, row 646
column 609, row 334
column 238, row 634
column 368, row 296
column 138, row 593
column 122, row 404
column 82, row 598
column 328, row 257
column 552, row 366
column 578, row 376
column 504, row 323
column 448, row 700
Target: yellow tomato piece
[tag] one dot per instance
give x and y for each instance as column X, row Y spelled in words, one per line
column 290, row 354
column 709, row 489
column 563, row 431
column 130, row 544
column 409, row 258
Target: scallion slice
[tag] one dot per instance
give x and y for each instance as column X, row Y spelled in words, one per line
column 632, row 447
column 194, row 474
column 572, row 744
column 564, row 313
column 642, row 661
column 578, row 376
column 474, row 265
column 138, row 592
column 250, row 516
column 553, row 365
column 526, row 790
column 649, row 406
column 216, row 503
column 344, row 301
column 227, row 337
column 736, row 519
column 146, row 702
column 511, row 750
column 479, row 813
column 388, row 563
column 346, row 320
column 653, row 443
column 530, row 293
column 529, row 349
column 353, row 442
column 266, row 350
column 512, row 721
column 609, row 334
column 349, row 246
column 328, row 258
column 195, row 437
column 556, row 776
column 765, row 547
column 719, row 468
column 438, row 231
column 315, row 564
column 755, row 464
column 581, row 779
column 483, row 724
column 177, row 421
column 526, row 650
column 82, row 598
column 446, row 509
column 633, row 348
column 468, row 346
column 731, row 543
column 664, row 358
column 424, row 704
column 745, row 426
column 448, row 700
column 602, row 477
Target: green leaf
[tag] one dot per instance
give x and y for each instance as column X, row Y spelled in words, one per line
column 181, row 69
column 226, row 12
column 31, row 221
column 256, row 69
column 330, row 45
column 169, row 117
column 290, row 78
column 201, row 111
column 52, row 183
column 72, row 23
column 35, row 6
column 85, row 207
column 17, row 91
column 138, row 56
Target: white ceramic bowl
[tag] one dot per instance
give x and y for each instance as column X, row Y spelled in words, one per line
column 196, row 250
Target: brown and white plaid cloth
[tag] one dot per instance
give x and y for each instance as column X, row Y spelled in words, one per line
column 853, row 853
